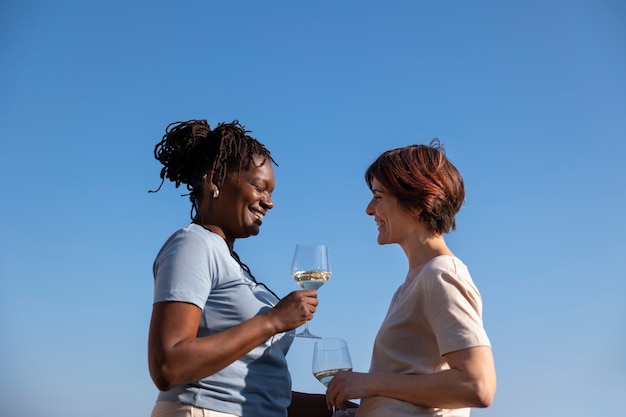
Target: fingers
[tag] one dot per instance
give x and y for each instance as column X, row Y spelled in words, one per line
column 307, row 303
column 343, row 387
column 309, row 295
column 306, row 299
column 295, row 309
column 332, row 393
column 345, row 412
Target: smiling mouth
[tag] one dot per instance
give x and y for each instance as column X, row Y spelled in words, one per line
column 258, row 215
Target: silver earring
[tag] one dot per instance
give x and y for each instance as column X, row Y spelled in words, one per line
column 216, row 193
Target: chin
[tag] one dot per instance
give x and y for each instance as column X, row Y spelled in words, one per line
column 253, row 230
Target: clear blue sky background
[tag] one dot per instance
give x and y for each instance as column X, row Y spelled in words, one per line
column 529, row 98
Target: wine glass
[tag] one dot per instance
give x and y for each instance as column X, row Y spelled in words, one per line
column 310, row 269
column 330, row 356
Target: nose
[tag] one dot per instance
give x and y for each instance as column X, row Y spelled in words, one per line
column 267, row 203
column 369, row 210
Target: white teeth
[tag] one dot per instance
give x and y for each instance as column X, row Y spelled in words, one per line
column 258, row 215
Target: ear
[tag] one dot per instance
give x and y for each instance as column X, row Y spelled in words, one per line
column 207, row 184
column 415, row 212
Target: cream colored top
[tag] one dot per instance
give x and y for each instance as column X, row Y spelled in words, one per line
column 434, row 313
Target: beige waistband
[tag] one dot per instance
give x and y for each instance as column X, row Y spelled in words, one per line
column 176, row 409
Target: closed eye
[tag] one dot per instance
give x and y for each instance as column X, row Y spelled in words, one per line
column 261, row 190
column 256, row 187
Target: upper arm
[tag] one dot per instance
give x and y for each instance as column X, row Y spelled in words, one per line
column 171, row 323
column 185, row 270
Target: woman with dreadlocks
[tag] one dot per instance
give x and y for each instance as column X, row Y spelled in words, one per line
column 218, row 338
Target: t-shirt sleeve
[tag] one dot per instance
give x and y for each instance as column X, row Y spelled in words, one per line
column 454, row 309
column 183, row 270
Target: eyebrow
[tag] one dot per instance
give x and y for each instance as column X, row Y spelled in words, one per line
column 257, row 178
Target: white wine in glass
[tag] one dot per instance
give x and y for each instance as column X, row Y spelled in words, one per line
column 310, row 269
column 330, row 356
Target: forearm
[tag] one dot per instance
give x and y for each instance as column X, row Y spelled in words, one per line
column 194, row 358
column 446, row 389
column 312, row 405
column 308, row 405
column 177, row 356
column 470, row 382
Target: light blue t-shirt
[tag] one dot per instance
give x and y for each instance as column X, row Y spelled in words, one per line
column 195, row 266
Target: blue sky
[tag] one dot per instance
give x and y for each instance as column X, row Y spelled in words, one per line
column 528, row 97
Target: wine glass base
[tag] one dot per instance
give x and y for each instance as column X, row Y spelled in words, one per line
column 306, row 333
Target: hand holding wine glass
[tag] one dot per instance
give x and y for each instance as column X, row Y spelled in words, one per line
column 310, row 269
column 330, row 356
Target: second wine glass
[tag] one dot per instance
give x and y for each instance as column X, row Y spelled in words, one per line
column 330, row 356
column 310, row 269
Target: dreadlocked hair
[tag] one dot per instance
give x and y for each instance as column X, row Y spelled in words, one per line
column 190, row 149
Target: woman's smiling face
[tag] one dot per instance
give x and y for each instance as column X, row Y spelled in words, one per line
column 245, row 198
column 394, row 221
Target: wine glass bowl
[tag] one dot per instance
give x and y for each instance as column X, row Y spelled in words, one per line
column 330, row 356
column 310, row 269
column 311, row 279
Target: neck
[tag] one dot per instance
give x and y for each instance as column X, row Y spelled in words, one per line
column 422, row 249
column 230, row 242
